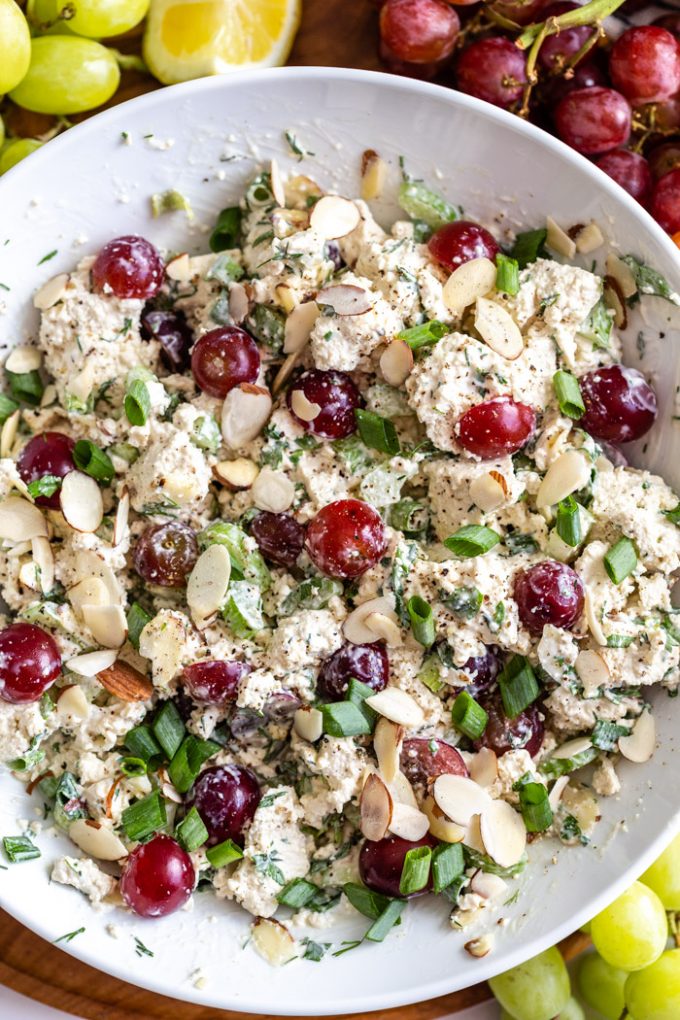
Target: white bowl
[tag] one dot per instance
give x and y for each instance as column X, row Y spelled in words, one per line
column 89, row 186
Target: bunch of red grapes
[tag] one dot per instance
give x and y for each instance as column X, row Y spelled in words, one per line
column 615, row 101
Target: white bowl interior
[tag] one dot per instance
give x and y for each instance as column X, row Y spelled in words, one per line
column 89, row 186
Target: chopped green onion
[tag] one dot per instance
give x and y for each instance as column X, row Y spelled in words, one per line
column 357, row 692
column 415, row 870
column 243, row 609
column 187, row 762
column 620, row 560
column 142, row 743
column 168, row 728
column 170, row 201
column 387, row 920
column 518, row 686
column 422, row 620
column 469, row 716
column 448, row 864
column 370, row 904
column 206, row 434
column 424, row 335
column 224, row 270
column 191, row 832
column 429, row 673
column 377, row 433
column 137, row 619
column 605, row 735
column 125, row 452
column 553, row 768
column 131, row 766
column 144, row 817
column 568, row 521
column 224, row 853
column 535, row 807
column 30, row 758
column 227, row 230
column 623, row 640
column 19, row 848
column 137, row 403
column 46, row 485
column 507, row 277
column 598, row 326
column 472, row 540
column 673, row 515
column 465, row 602
column 26, row 387
column 529, row 246
column 409, row 516
column 344, row 719
column 88, row 457
column 7, row 407
column 568, row 394
column 423, row 204
column 297, row 893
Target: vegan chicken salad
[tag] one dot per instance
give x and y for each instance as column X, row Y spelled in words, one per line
column 328, row 584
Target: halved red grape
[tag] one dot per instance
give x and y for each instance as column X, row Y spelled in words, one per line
column 346, row 538
column 620, row 404
column 29, row 662
column 336, row 395
column 644, row 64
column 214, row 681
column 525, row 731
column 664, row 158
column 368, row 663
column 49, row 453
column 419, row 31
column 173, row 333
column 158, row 877
column 381, row 863
column 226, row 798
column 496, row 427
column 630, row 170
column 492, row 69
column 665, row 204
column 423, row 759
column 482, row 670
column 279, row 537
column 593, row 120
column 461, row 241
column 560, row 49
column 165, row 554
column 224, row 358
column 549, row 592
column 128, row 267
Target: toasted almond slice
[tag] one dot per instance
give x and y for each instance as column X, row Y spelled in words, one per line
column 238, row 302
column 375, row 806
column 238, row 474
column 589, row 239
column 91, row 591
column 299, row 325
column 592, row 671
column 305, row 410
column 558, row 239
column 503, row 833
column 572, row 747
column 459, row 798
column 487, row 886
column 486, row 492
column 273, row 491
column 97, row 840
column 245, row 412
column 179, row 268
column 594, row 625
column 387, row 741
column 308, row 723
column 621, row 273
column 498, row 329
column 49, row 396
column 273, row 941
column 125, row 682
column 276, row 182
column 208, row 582
column 43, row 557
column 396, row 362
column 641, row 744
column 355, row 627
column 120, row 523
column 440, row 826
column 555, row 795
column 72, row 705
column 345, row 299
column 468, row 282
column 473, row 835
column 21, row 521
column 402, row 791
column 373, row 175
column 285, row 372
column 23, row 359
column 385, row 626
column 568, row 473
column 286, row 297
column 397, row 705
column 9, row 433
column 614, row 300
column 484, row 767
column 51, row 292
column 91, row 663
column 107, row 624
column 332, row 217
column 80, row 499
column 408, row 822
column 480, row 946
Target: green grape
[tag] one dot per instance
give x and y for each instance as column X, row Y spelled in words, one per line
column 44, row 17
column 15, row 45
column 572, row 1011
column 67, row 75
column 664, row 876
column 601, row 985
column 15, row 150
column 631, row 933
column 654, row 993
column 585, row 928
column 95, row 19
column 536, row 990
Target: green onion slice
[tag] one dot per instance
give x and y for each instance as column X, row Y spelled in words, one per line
column 297, row 893
column 568, row 522
column 424, row 335
column 422, row 620
column 415, row 870
column 535, row 807
column 144, row 817
column 132, row 766
column 568, row 394
column 472, row 540
column 187, row 762
column 529, row 246
column 7, row 407
column 191, row 831
column 377, row 433
column 168, row 728
column 469, row 716
column 344, row 719
column 141, row 742
column 137, row 619
column 26, row 387
column 227, row 231
column 507, row 277
column 137, row 403
column 224, row 853
column 387, row 920
column 370, row 904
column 620, row 560
column 88, row 457
column 448, row 864
column 19, row 848
column 518, row 686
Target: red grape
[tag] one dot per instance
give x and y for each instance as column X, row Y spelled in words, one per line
column 587, row 73
column 502, row 734
column 644, row 64
column 423, row 759
column 522, row 12
column 422, row 70
column 461, row 241
column 165, row 554
column 346, row 538
column 128, row 267
column 29, row 662
column 620, row 403
column 173, row 333
column 549, row 592
column 226, row 798
column 667, row 115
column 559, row 49
column 496, row 427
column 279, row 537
column 630, row 170
column 224, row 358
column 419, row 31
column 381, row 863
column 158, row 877
column 214, row 681
column 492, row 69
column 664, row 158
column 593, row 120
column 367, row 663
column 49, row 453
column 482, row 670
column 335, row 394
column 665, row 205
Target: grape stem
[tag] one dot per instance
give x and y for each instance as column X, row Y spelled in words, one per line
column 590, row 14
column 129, row 61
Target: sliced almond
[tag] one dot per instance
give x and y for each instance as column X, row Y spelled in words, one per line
column 125, row 682
column 387, row 741
column 308, row 723
column 622, row 274
column 302, row 408
column 43, row 557
column 51, row 292
column 276, row 183
column 299, row 191
column 9, row 433
column 591, row 670
column 345, row 299
column 120, row 522
column 408, row 822
column 238, row 302
column 615, row 301
column 245, row 412
column 567, row 474
column 555, row 795
column 484, row 767
column 49, row 396
column 97, row 840
column 89, row 564
column 286, row 222
column 487, row 886
column 487, row 492
column 80, row 499
column 503, row 833
column 273, row 941
column 641, row 744
column 80, row 385
column 29, row 576
column 21, row 521
column 401, row 790
column 355, row 627
column 481, row 946
column 440, row 826
column 498, row 329
column 397, row 705
column 286, row 297
column 91, row 591
column 459, row 798
column 208, row 582
column 386, row 627
column 238, row 474
column 91, row 663
column 23, row 359
column 594, row 625
column 179, row 268
column 473, row 835
column 72, row 705
column 273, row 491
column 107, row 624
column 373, row 175
column 375, row 805
column 588, row 239
column 332, row 217
column 285, row 372
column 572, row 748
column 396, row 362
column 299, row 326
column 558, row 239
column 468, row 282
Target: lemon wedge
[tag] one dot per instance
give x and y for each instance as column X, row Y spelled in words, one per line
column 191, row 38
